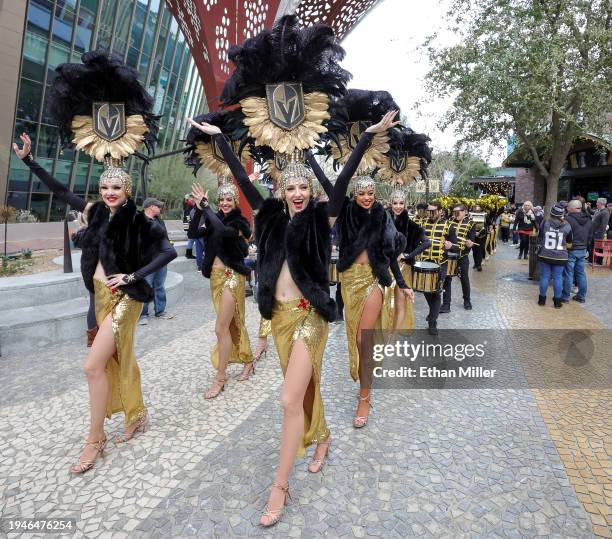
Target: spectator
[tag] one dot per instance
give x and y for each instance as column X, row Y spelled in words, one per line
column 188, row 205
column 601, row 219
column 505, row 220
column 152, row 209
column 526, row 226
column 581, row 226
column 194, row 234
column 553, row 238
column 610, row 221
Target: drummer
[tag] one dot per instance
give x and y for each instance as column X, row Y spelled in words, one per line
column 466, row 234
column 443, row 239
column 421, row 213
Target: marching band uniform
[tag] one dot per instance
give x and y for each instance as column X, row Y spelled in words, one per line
column 437, row 231
column 464, row 230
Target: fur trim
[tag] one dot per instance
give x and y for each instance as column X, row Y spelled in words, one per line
column 372, row 231
column 230, row 248
column 411, row 231
column 124, row 244
column 305, row 242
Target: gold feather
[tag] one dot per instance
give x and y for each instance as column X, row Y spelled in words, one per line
column 88, row 141
column 214, row 164
column 302, row 137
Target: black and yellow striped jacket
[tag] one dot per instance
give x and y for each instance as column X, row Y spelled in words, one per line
column 464, row 230
column 437, row 232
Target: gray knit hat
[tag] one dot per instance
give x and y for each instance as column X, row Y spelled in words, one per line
column 557, row 211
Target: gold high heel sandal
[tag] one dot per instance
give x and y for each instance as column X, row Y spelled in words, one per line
column 243, row 376
column 84, row 465
column 361, row 421
column 141, row 425
column 316, row 465
column 275, row 514
column 216, row 388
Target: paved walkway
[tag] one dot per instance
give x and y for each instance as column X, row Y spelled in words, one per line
column 433, row 463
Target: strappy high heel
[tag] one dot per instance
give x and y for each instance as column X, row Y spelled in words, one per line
column 242, row 377
column 262, row 353
column 275, row 514
column 216, row 388
column 361, row 421
column 316, row 465
column 141, row 425
column 84, row 465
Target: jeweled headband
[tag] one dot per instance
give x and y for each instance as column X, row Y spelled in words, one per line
column 113, row 171
column 361, row 183
column 295, row 173
column 227, row 188
column 398, row 194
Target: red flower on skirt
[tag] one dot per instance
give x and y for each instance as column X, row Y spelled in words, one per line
column 304, row 303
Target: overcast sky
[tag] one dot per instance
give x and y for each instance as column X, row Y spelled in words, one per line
column 383, row 54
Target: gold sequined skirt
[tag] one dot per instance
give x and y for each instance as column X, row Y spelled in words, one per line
column 122, row 372
column 228, row 279
column 358, row 282
column 291, row 321
column 388, row 311
column 265, row 328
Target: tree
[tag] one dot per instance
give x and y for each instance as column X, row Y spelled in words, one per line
column 463, row 166
column 538, row 69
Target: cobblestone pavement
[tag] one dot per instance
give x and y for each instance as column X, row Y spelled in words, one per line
column 433, row 463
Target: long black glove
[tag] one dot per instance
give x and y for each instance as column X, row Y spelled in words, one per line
column 250, row 192
column 58, row 189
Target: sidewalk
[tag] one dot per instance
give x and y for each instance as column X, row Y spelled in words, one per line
column 433, row 463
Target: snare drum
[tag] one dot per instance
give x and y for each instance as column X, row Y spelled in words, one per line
column 334, row 278
column 425, row 276
column 453, row 258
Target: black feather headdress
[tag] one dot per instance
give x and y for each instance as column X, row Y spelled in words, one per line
column 102, row 107
column 201, row 150
column 350, row 116
column 283, row 80
column 287, row 53
column 407, row 158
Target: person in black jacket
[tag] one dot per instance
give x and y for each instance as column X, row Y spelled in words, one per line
column 226, row 236
column 293, row 240
column 120, row 247
column 577, row 252
column 466, row 237
column 526, row 224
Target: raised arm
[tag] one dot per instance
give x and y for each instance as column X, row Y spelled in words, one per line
column 58, row 189
column 328, row 186
column 204, row 211
column 249, row 190
column 341, row 185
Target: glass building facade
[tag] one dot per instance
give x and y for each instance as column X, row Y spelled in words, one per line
column 147, row 36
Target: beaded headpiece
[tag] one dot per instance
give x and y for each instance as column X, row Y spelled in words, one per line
column 362, row 180
column 398, row 194
column 113, row 170
column 227, row 188
column 294, row 172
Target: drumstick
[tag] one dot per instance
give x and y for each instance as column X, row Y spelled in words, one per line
column 454, row 244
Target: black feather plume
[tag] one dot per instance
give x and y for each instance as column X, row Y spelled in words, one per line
column 287, row 52
column 101, row 77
